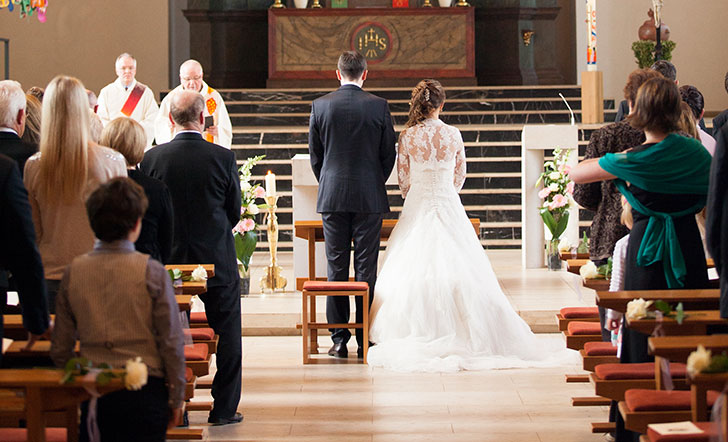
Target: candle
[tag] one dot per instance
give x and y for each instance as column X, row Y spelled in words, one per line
column 270, row 184
column 591, row 49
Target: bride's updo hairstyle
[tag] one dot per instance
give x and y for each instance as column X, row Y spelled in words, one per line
column 427, row 96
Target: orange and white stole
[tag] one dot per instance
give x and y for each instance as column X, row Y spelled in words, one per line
column 133, row 99
column 211, row 108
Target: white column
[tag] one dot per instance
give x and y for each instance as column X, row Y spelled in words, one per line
column 534, row 140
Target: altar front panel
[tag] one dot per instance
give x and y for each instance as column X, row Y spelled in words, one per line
column 398, row 43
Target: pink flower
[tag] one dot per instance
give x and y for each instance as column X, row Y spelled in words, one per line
column 558, row 201
column 570, row 188
column 544, row 192
column 259, row 192
column 565, row 169
column 244, row 225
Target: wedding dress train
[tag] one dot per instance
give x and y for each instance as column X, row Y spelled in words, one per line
column 437, row 305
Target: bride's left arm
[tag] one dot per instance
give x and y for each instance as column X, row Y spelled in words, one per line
column 460, row 162
column 403, row 167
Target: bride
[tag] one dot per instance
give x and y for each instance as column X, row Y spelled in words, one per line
column 437, row 305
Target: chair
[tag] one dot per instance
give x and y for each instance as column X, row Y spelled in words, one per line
column 309, row 326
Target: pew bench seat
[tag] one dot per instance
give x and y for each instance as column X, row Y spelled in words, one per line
column 579, row 333
column 643, row 407
column 204, row 335
column 197, row 358
column 613, row 380
column 598, row 353
column 21, row 434
column 569, row 314
column 198, row 320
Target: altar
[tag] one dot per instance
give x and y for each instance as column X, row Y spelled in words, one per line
column 398, row 43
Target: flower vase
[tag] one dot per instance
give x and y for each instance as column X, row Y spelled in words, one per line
column 553, row 260
column 244, row 279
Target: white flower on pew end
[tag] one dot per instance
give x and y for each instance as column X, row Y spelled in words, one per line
column 565, row 246
column 253, row 209
column 698, row 361
column 590, row 271
column 637, row 309
column 199, row 274
column 136, row 374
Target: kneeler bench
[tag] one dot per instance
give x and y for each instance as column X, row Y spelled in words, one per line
column 613, row 380
column 197, row 358
column 198, row 320
column 643, row 407
column 579, row 333
column 309, row 326
column 203, row 335
column 570, row 314
column 597, row 353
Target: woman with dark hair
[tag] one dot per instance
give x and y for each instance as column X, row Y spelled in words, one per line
column 666, row 182
column 437, row 302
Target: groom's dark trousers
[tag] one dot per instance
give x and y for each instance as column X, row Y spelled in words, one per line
column 351, row 142
column 339, row 230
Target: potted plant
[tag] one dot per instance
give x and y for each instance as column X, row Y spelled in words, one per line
column 556, row 195
column 244, row 231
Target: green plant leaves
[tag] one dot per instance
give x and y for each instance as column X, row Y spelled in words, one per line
column 245, row 246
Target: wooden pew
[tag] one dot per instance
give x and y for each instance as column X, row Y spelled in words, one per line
column 696, row 322
column 699, row 299
column 187, row 269
column 44, row 392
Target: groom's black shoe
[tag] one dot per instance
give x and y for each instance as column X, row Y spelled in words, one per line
column 339, row 350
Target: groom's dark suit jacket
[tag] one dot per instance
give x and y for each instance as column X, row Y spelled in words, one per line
column 351, row 142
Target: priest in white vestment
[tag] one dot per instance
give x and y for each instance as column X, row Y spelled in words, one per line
column 218, row 128
column 127, row 97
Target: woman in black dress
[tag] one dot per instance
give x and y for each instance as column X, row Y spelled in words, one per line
column 128, row 137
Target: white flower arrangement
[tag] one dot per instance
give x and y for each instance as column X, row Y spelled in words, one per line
column 199, row 274
column 590, row 271
column 136, row 375
column 637, row 309
column 699, row 361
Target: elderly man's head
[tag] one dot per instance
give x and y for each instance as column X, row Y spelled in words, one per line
column 126, row 69
column 186, row 110
column 12, row 106
column 190, row 75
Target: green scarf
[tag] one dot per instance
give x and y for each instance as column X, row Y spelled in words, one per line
column 676, row 165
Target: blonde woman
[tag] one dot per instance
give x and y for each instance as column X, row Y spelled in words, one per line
column 126, row 136
column 67, row 169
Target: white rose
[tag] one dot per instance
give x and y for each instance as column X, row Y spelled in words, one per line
column 245, row 186
column 555, row 175
column 199, row 274
column 589, row 271
column 554, row 187
column 253, row 209
column 565, row 246
column 136, row 374
column 698, row 361
column 637, row 309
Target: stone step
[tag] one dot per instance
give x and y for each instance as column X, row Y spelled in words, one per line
column 400, row 118
column 550, row 91
column 402, row 105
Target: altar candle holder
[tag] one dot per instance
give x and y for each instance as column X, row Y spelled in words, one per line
column 272, row 279
column 427, row 4
column 462, row 3
column 277, row 4
column 316, row 4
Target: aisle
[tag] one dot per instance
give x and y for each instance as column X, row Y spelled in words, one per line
column 283, row 400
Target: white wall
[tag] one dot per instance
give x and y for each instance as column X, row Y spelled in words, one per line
column 83, row 38
column 697, row 26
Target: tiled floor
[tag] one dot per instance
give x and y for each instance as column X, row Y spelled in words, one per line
column 285, row 400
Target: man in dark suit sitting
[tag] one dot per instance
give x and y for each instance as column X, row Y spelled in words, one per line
column 351, row 142
column 203, row 181
column 12, row 123
column 19, row 254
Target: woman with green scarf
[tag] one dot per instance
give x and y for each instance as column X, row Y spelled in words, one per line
column 666, row 182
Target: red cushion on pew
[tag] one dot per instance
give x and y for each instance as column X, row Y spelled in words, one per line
column 600, row 349
column 710, row 428
column 579, row 312
column 638, row 399
column 200, row 334
column 188, row 374
column 643, row 370
column 196, row 352
column 21, row 434
column 335, row 285
column 576, row 328
column 198, row 317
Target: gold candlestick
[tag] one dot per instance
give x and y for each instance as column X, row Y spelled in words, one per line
column 462, row 3
column 277, row 4
column 427, row 4
column 272, row 279
column 316, row 4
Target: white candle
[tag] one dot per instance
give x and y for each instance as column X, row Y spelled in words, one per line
column 270, row 184
column 591, row 20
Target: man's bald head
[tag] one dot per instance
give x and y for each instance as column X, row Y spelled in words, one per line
column 186, row 110
column 190, row 75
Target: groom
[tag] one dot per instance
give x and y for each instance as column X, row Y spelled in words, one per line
column 351, row 142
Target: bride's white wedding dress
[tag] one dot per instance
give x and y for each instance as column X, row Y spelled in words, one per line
column 437, row 305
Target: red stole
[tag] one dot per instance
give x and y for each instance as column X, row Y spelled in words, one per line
column 133, row 99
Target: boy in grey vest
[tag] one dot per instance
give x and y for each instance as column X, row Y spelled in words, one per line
column 120, row 305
